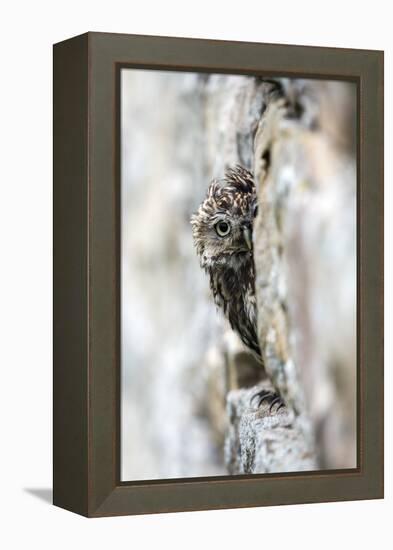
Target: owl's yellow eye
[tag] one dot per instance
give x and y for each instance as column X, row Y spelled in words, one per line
column 222, row 228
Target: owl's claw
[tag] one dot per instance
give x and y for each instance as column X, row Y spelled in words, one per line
column 272, row 397
column 261, row 396
column 275, row 401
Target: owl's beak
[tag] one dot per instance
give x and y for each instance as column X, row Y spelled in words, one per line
column 247, row 237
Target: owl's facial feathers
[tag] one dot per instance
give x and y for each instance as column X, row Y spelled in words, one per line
column 222, row 227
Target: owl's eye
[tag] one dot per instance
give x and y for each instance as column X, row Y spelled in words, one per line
column 255, row 211
column 222, row 228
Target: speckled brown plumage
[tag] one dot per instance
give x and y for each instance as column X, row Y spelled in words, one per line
column 222, row 230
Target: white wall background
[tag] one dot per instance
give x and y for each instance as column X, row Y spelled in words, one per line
column 27, row 31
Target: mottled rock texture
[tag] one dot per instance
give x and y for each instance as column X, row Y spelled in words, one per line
column 263, row 441
column 305, row 245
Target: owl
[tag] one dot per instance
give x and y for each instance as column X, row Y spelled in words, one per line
column 222, row 231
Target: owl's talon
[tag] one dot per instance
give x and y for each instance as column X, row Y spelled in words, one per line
column 261, row 395
column 274, row 402
column 272, row 396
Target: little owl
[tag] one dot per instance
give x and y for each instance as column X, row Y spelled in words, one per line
column 222, row 231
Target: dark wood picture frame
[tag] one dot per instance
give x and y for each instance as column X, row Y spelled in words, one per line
column 86, row 275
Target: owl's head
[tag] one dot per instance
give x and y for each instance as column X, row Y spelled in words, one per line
column 222, row 227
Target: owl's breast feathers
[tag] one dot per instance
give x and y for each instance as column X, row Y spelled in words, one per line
column 234, row 292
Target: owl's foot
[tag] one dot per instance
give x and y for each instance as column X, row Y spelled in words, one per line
column 272, row 398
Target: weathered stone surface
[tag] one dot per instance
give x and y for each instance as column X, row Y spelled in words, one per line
column 305, row 255
column 304, row 251
column 263, row 441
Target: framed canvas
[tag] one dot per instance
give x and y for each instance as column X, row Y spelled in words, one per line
column 218, row 274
